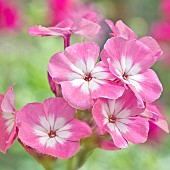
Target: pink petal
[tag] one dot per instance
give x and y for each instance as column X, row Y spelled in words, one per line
column 61, row 69
column 43, row 31
column 86, row 28
column 111, row 25
column 134, row 129
column 75, row 130
column 83, row 56
column 147, row 85
column 8, row 103
column 8, row 132
column 58, row 108
column 100, row 113
column 55, row 88
column 153, row 45
column 107, row 145
column 124, row 108
column 80, row 90
column 91, row 16
column 105, row 89
column 64, row 24
column 31, row 113
column 116, row 135
column 130, row 57
column 154, row 115
column 121, row 30
column 124, row 31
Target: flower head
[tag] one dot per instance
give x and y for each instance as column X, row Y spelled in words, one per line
column 81, row 79
column 121, row 119
column 7, row 120
column 129, row 61
column 53, row 130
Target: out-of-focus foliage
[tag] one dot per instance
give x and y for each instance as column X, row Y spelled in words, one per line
column 24, row 59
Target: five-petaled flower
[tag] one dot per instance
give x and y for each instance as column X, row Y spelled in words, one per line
column 81, row 79
column 129, row 61
column 51, row 128
column 8, row 130
column 121, row 119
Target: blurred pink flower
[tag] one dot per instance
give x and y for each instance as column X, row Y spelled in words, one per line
column 7, row 120
column 72, row 9
column 161, row 30
column 9, row 16
column 53, row 130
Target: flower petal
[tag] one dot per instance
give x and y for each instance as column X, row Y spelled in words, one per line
column 61, row 69
column 75, row 130
column 134, row 129
column 57, row 110
column 8, row 103
column 8, row 132
column 153, row 45
column 77, row 94
column 83, row 56
column 116, row 135
column 147, row 85
column 121, row 30
column 86, row 28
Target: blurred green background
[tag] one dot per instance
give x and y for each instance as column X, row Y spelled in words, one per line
column 24, row 60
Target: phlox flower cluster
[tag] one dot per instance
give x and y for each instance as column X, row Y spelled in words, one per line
column 104, row 94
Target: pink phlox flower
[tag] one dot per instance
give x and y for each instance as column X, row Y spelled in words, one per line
column 81, row 79
column 82, row 26
column 154, row 115
column 129, row 61
column 50, row 128
column 122, row 30
column 9, row 16
column 121, row 119
column 8, row 131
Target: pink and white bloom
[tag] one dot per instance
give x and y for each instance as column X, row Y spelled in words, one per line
column 153, row 114
column 82, row 26
column 122, row 30
column 50, row 128
column 129, row 61
column 121, row 119
column 7, row 120
column 81, row 79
